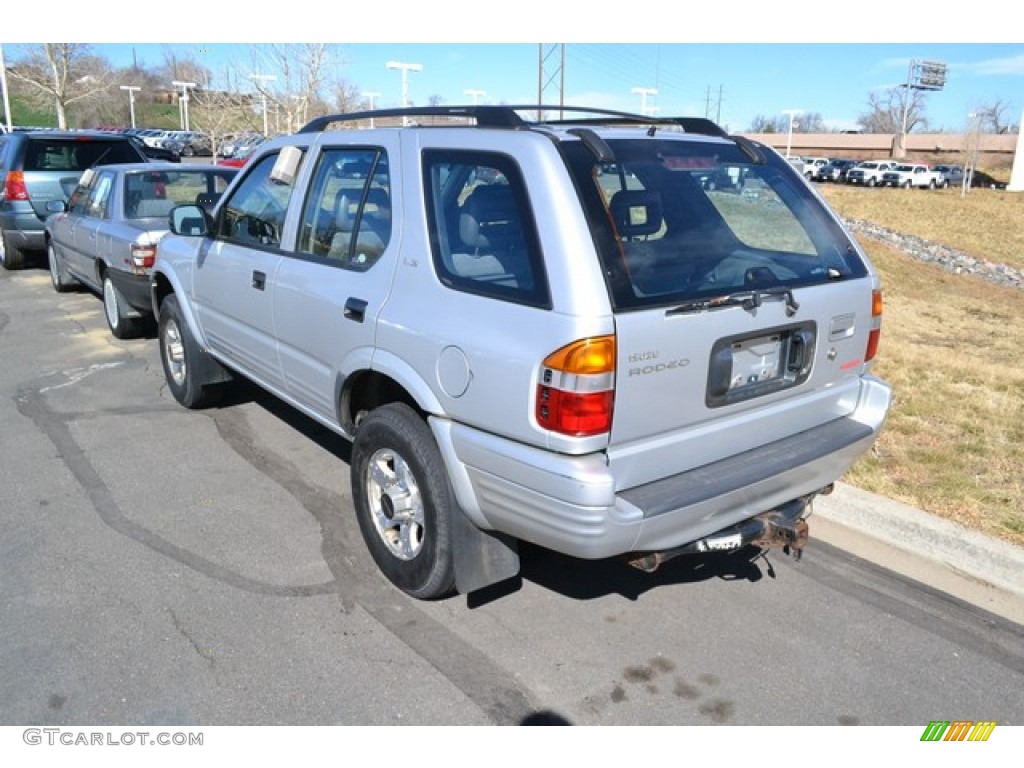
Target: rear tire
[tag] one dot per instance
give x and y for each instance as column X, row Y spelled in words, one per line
column 12, row 257
column 120, row 325
column 59, row 275
column 403, row 501
column 179, row 354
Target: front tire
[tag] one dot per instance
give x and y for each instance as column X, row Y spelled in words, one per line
column 59, row 275
column 179, row 354
column 403, row 501
column 122, row 326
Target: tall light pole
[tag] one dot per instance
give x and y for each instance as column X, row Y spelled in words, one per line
column 263, row 96
column 183, row 107
column 475, row 94
column 131, row 99
column 406, row 68
column 3, row 84
column 371, row 95
column 644, row 93
column 789, row 133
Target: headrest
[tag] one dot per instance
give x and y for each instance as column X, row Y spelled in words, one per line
column 636, row 212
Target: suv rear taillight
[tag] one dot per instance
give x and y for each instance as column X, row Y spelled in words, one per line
column 577, row 388
column 143, row 257
column 876, row 326
column 14, row 186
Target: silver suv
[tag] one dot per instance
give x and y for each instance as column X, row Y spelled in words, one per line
column 553, row 331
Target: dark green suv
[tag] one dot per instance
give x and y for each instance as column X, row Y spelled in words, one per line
column 38, row 171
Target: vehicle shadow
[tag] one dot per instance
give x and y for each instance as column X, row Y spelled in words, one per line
column 574, row 578
column 241, row 391
column 591, row 579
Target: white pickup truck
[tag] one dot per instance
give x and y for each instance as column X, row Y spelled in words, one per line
column 869, row 173
column 913, row 175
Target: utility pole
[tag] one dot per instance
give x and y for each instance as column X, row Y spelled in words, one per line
column 131, row 99
column 475, row 94
column 544, row 82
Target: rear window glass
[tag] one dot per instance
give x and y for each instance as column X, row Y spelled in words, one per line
column 152, row 194
column 681, row 220
column 77, row 154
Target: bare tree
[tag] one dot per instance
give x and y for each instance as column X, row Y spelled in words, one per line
column 886, row 109
column 219, row 114
column 347, row 98
column 993, row 116
column 809, row 122
column 60, row 74
column 762, row 124
column 299, row 72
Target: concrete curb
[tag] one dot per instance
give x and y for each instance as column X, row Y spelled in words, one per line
column 977, row 555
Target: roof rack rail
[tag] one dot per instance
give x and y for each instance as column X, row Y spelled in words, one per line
column 507, row 116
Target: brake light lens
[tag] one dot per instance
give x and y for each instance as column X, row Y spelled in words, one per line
column 577, row 388
column 876, row 326
column 14, row 186
column 143, row 258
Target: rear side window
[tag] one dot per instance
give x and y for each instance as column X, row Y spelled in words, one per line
column 679, row 220
column 347, row 216
column 77, row 154
column 482, row 234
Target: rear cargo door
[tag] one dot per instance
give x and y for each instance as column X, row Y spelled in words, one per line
column 742, row 310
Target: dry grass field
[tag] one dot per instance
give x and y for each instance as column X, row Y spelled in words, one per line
column 953, row 350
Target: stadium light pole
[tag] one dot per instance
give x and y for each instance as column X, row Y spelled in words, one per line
column 921, row 76
column 789, row 132
column 131, row 99
column 183, row 107
column 263, row 96
column 406, row 68
column 644, row 93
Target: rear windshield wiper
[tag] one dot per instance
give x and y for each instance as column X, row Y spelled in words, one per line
column 746, row 299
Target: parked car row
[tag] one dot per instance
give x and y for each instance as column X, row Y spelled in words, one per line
column 879, row 173
column 42, row 168
column 105, row 237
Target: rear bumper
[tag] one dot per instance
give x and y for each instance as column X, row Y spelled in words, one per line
column 569, row 503
column 134, row 289
column 23, row 230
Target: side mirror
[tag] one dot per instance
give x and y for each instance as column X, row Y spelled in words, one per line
column 189, row 220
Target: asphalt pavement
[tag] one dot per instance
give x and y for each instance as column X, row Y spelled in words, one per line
column 981, row 569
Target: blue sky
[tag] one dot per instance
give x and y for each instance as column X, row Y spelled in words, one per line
column 732, row 61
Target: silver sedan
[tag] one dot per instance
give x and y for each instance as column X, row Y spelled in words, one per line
column 105, row 237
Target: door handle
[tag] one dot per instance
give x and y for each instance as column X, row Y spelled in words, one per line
column 259, row 280
column 355, row 309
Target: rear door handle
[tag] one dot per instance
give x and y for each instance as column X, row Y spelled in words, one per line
column 259, row 280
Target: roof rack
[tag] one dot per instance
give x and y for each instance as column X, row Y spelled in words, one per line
column 507, row 116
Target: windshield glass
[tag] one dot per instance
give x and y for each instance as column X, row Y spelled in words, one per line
column 679, row 220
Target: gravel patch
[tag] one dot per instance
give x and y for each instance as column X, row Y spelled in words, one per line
column 950, row 259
